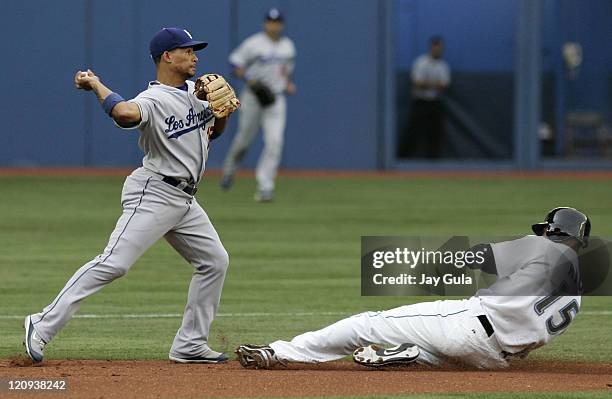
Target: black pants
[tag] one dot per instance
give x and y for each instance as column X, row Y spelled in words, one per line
column 425, row 131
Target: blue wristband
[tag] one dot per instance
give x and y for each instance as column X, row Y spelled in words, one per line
column 110, row 101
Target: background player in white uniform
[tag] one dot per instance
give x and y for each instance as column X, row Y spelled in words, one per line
column 158, row 200
column 264, row 60
column 521, row 311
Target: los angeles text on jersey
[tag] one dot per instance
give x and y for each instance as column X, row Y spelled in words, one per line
column 192, row 120
column 423, row 279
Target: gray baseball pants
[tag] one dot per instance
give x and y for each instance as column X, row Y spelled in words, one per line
column 152, row 209
column 272, row 119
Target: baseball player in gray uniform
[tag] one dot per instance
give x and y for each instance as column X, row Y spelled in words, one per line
column 520, row 312
column 266, row 61
column 157, row 199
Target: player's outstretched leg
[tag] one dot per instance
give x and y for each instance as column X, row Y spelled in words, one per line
column 248, row 125
column 428, row 333
column 140, row 226
column 273, row 123
column 332, row 343
column 264, row 357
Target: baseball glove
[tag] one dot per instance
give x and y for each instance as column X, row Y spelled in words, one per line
column 219, row 94
column 264, row 95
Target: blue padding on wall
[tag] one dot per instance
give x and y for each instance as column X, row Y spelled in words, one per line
column 334, row 118
column 331, row 121
column 42, row 114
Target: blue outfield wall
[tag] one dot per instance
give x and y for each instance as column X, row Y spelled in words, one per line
column 336, row 120
column 331, row 124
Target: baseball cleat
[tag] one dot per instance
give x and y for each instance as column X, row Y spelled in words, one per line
column 34, row 344
column 226, row 182
column 210, row 357
column 376, row 356
column 264, row 196
column 257, row 357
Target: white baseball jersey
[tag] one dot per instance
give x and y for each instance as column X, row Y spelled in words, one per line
column 268, row 61
column 427, row 68
column 174, row 131
column 526, row 267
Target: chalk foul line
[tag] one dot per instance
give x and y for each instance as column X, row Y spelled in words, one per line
column 237, row 315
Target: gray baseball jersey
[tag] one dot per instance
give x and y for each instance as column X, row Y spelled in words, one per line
column 175, row 130
column 521, row 304
column 268, row 61
column 271, row 63
column 174, row 134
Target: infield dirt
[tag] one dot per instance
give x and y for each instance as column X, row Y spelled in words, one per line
column 163, row 379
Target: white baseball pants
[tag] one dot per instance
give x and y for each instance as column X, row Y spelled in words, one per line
column 272, row 119
column 446, row 332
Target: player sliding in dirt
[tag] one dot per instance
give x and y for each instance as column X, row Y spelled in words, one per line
column 536, row 296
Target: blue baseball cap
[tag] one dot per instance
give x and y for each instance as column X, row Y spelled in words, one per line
column 274, row 14
column 170, row 38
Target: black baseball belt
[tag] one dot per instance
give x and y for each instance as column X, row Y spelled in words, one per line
column 486, row 324
column 190, row 189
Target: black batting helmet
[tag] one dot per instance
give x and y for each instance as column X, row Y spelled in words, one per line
column 565, row 222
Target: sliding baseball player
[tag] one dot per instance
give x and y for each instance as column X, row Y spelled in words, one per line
column 535, row 298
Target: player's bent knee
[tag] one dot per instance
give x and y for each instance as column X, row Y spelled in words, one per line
column 114, row 271
column 222, row 260
column 216, row 260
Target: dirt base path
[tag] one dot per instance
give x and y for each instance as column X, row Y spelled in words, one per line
column 163, row 379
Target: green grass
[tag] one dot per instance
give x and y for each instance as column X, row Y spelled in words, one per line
column 299, row 254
